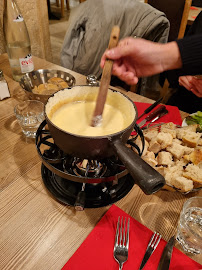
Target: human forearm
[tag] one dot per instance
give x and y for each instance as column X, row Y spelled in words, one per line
column 170, row 55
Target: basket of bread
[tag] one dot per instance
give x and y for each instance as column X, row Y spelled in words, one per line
column 176, row 153
column 42, row 83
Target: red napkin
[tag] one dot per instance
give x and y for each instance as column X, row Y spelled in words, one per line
column 172, row 116
column 96, row 252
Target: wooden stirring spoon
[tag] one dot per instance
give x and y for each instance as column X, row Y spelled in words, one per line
column 105, row 80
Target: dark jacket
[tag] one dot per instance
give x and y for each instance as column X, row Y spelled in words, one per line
column 191, row 54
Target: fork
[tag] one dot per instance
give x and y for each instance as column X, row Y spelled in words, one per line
column 121, row 242
column 153, row 243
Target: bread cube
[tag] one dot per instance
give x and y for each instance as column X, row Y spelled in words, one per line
column 195, row 157
column 177, row 141
column 154, row 146
column 164, row 158
column 194, row 173
column 183, row 184
column 191, row 139
column 150, row 134
column 164, row 139
column 176, row 150
column 152, row 162
column 169, row 125
column 181, row 132
column 168, row 130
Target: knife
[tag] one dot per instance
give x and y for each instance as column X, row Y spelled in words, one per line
column 150, row 107
column 152, row 115
column 166, row 255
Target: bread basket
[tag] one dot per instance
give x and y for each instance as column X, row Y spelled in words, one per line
column 41, row 76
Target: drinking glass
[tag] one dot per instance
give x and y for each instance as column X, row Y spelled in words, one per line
column 30, row 114
column 189, row 231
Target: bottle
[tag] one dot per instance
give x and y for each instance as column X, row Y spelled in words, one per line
column 4, row 92
column 17, row 41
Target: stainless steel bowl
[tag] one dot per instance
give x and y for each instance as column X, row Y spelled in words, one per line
column 37, row 77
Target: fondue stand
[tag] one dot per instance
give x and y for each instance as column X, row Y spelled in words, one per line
column 91, row 183
column 39, row 232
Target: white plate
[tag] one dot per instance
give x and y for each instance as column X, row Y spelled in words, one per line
column 184, row 124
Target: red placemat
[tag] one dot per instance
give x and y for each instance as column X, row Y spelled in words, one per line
column 172, row 116
column 96, row 252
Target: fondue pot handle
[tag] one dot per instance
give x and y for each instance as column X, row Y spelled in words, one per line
column 146, row 177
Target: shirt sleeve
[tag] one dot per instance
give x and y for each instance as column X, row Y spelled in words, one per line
column 191, row 54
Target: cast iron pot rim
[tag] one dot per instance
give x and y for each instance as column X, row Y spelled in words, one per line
column 95, row 137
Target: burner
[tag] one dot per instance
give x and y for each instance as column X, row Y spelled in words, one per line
column 81, row 182
column 97, row 195
column 91, row 168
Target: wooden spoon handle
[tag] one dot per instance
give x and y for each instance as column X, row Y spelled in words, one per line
column 105, row 79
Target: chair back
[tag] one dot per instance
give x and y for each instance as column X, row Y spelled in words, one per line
column 177, row 13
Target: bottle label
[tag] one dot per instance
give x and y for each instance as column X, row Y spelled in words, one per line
column 26, row 64
column 19, row 18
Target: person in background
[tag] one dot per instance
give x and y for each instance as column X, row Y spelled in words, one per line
column 183, row 99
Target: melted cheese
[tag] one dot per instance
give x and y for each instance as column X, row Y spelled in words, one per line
column 75, row 117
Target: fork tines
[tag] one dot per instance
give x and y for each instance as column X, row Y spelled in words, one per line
column 155, row 239
column 122, row 235
column 121, row 244
column 153, row 243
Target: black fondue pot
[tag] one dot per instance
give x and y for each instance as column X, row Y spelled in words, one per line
column 99, row 147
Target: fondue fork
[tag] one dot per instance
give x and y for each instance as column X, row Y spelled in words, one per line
column 121, row 244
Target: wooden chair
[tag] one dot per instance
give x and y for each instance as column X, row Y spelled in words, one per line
column 177, row 13
column 62, row 6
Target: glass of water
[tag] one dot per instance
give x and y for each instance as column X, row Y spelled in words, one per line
column 30, row 114
column 189, row 231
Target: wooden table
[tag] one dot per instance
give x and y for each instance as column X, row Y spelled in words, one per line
column 193, row 13
column 36, row 231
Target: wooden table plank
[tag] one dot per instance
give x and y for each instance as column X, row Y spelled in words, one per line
column 38, row 232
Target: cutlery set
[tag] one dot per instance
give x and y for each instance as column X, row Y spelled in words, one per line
column 150, row 108
column 154, row 115
column 121, row 247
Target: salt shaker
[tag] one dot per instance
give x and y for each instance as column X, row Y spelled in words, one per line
column 4, row 91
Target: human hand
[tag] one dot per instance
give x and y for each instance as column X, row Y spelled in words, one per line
column 192, row 84
column 134, row 58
